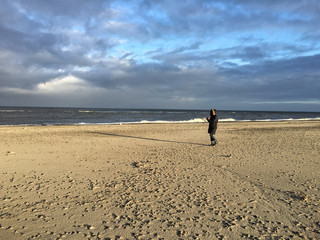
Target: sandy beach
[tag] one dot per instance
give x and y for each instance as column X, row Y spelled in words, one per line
column 161, row 181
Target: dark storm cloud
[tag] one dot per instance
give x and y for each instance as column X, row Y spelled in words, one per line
column 278, row 80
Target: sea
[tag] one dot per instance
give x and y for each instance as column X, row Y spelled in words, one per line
column 43, row 116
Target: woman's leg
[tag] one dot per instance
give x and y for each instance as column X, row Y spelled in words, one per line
column 212, row 138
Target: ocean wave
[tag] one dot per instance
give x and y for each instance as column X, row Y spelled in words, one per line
column 83, row 111
column 88, row 111
column 9, row 111
column 227, row 120
column 203, row 120
column 195, row 120
column 286, row 119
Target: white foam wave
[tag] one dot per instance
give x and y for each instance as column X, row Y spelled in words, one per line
column 11, row 111
column 203, row 120
column 287, row 119
column 195, row 120
column 88, row 111
column 227, row 120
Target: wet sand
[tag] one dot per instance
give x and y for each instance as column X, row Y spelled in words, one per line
column 161, row 181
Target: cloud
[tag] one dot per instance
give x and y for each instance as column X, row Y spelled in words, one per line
column 159, row 53
column 186, row 48
column 69, row 84
column 58, row 86
column 60, row 91
column 75, row 9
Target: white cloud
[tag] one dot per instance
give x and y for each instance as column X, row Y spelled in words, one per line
column 62, row 85
column 67, row 85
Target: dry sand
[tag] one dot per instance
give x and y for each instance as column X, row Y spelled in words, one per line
column 160, row 181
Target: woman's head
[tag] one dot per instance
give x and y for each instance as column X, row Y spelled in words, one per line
column 212, row 112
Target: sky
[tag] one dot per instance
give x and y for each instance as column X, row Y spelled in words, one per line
column 168, row 54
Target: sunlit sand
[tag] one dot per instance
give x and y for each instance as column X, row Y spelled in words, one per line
column 161, row 181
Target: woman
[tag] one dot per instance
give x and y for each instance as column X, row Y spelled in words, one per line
column 213, row 124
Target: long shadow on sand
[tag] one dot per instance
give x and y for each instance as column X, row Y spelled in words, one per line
column 144, row 138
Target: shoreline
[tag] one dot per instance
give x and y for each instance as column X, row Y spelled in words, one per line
column 160, row 181
column 146, row 122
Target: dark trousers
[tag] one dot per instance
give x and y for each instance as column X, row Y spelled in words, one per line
column 212, row 137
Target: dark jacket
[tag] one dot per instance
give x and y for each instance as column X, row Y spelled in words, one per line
column 213, row 124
